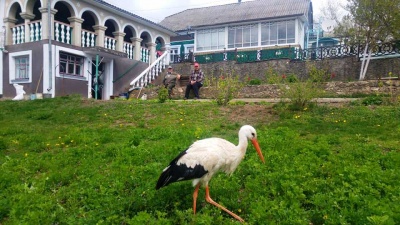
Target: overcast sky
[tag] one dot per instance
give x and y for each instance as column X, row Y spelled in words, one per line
column 157, row 10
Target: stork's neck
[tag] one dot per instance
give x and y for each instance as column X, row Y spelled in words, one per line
column 235, row 157
column 243, row 143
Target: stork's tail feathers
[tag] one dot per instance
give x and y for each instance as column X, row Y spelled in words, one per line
column 168, row 173
column 165, row 178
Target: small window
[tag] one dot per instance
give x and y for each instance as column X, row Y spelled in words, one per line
column 70, row 64
column 22, row 68
column 174, row 55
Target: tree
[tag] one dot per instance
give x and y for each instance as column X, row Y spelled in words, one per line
column 390, row 17
column 369, row 22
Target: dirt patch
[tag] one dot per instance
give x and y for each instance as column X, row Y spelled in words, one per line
column 251, row 114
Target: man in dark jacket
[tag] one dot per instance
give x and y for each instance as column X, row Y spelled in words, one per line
column 169, row 80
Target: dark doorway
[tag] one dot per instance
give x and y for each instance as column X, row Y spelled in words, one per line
column 99, row 81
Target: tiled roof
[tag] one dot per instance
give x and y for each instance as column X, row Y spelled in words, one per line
column 236, row 12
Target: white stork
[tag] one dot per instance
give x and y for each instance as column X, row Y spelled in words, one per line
column 206, row 157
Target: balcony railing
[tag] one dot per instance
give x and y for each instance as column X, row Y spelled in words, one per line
column 110, row 43
column 62, row 32
column 35, row 30
column 128, row 49
column 144, row 55
column 294, row 53
column 18, row 34
column 88, row 38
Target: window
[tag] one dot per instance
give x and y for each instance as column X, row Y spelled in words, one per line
column 210, row 39
column 71, row 65
column 282, row 32
column 174, row 55
column 291, row 31
column 243, row 36
column 20, row 68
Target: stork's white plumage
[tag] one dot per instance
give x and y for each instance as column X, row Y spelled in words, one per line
column 206, row 157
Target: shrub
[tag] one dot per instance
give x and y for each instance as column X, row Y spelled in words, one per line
column 162, row 95
column 273, row 77
column 300, row 93
column 317, row 75
column 372, row 100
column 255, row 81
column 226, row 88
column 292, row 78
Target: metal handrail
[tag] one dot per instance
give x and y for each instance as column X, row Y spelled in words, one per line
column 140, row 80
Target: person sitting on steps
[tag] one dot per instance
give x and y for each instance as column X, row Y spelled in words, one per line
column 169, row 80
column 195, row 82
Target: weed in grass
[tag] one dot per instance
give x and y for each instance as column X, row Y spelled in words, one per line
column 372, row 100
column 254, row 82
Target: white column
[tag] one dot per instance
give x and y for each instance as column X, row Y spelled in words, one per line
column 136, row 42
column 152, row 49
column 119, row 36
column 100, row 31
column 168, row 49
column 45, row 23
column 8, row 23
column 76, row 24
column 27, row 17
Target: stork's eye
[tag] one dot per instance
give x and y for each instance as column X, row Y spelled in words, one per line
column 252, row 134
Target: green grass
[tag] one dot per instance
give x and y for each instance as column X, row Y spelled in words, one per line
column 73, row 161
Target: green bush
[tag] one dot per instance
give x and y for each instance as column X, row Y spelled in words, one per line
column 292, row 78
column 300, row 94
column 317, row 75
column 372, row 100
column 162, row 94
column 273, row 77
column 226, row 88
column 254, row 82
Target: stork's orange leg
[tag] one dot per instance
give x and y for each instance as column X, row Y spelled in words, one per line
column 209, row 200
column 196, row 191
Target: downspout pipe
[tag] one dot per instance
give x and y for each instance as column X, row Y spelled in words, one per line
column 50, row 47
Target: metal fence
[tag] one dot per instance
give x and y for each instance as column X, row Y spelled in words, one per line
column 294, row 53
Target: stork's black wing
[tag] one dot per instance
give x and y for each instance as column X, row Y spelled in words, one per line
column 174, row 172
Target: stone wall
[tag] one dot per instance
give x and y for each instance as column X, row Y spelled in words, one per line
column 273, row 91
column 341, row 69
column 344, row 74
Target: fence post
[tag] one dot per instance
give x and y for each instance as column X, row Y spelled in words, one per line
column 321, row 53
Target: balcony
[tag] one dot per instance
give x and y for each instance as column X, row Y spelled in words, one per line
column 64, row 33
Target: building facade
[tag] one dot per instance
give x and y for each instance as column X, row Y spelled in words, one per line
column 86, row 47
column 242, row 26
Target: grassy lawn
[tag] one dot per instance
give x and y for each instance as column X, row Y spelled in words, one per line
column 73, row 161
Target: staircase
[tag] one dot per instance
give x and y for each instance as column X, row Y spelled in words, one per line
column 150, row 74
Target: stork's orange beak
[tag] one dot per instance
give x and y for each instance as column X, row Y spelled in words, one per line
column 255, row 144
